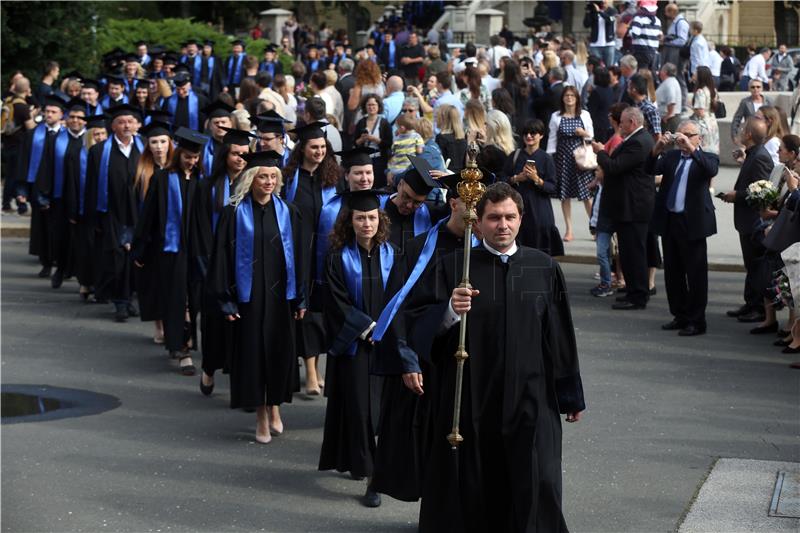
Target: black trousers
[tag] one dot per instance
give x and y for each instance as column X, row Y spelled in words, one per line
column 632, row 237
column 685, row 272
column 753, row 295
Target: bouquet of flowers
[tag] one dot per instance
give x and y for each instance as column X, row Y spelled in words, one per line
column 762, row 194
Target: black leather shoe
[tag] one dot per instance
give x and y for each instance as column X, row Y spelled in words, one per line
column 371, row 498
column 206, row 389
column 782, row 333
column 782, row 342
column 691, row 330
column 734, row 313
column 57, row 278
column 789, row 349
column 121, row 314
column 671, row 326
column 772, row 328
column 753, row 316
column 652, row 292
column 626, row 306
column 623, row 298
column 45, row 272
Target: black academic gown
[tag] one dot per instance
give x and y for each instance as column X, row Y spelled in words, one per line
column 172, row 279
column 407, row 427
column 181, row 117
column 82, row 232
column 146, row 277
column 210, row 82
column 521, row 373
column 216, row 332
column 40, row 242
column 308, row 200
column 353, row 410
column 114, row 227
column 60, row 232
column 402, row 226
column 263, row 366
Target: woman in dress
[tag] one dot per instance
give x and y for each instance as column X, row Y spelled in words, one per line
column 357, row 270
column 163, row 239
column 568, row 128
column 703, row 103
column 474, row 89
column 374, row 131
column 532, row 172
column 775, row 131
column 158, row 152
column 256, row 276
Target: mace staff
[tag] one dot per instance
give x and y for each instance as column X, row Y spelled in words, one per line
column 470, row 189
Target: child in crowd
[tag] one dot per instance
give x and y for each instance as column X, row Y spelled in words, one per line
column 406, row 142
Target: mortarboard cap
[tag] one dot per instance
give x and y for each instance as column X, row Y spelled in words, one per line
column 190, row 140
column 160, row 115
column 270, row 122
column 90, row 84
column 218, row 108
column 357, row 156
column 131, row 58
column 191, row 41
column 124, row 110
column 110, row 78
column 239, row 137
column 269, row 158
column 56, row 100
column 139, row 43
column 271, row 48
column 181, row 79
column 76, row 104
column 418, row 177
column 96, row 121
column 155, row 128
column 170, row 59
column 310, row 131
column 363, row 200
column 237, row 42
column 208, row 42
column 73, row 75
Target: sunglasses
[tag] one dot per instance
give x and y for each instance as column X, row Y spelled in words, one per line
column 409, row 110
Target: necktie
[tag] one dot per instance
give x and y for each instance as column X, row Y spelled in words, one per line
column 504, row 258
column 673, row 191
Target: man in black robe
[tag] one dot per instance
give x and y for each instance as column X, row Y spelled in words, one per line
column 522, row 371
column 38, row 150
column 115, row 93
column 180, row 104
column 219, row 121
column 111, row 199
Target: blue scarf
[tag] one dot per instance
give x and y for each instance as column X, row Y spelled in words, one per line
column 235, row 74
column 388, row 313
column 208, row 157
column 225, row 201
column 172, row 227
column 62, row 140
column 172, row 105
column 245, row 234
column 37, row 148
column 351, row 261
column 82, row 181
column 102, row 175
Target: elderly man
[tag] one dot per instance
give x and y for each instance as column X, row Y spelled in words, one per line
column 748, row 107
column 393, row 102
column 782, row 65
column 684, row 217
column 668, row 97
column 756, row 165
column 676, row 38
column 756, row 69
column 628, row 195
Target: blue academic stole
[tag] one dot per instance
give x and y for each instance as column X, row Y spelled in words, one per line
column 172, row 226
column 225, row 201
column 62, row 140
column 98, row 110
column 82, row 181
column 235, row 73
column 392, row 50
column 172, row 105
column 105, row 102
column 422, row 219
column 245, row 234
column 208, row 157
column 327, row 192
column 267, row 66
column 102, row 175
column 128, row 85
column 37, row 148
column 351, row 262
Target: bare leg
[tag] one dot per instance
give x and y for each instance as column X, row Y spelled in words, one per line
column 566, row 208
column 262, row 425
column 312, row 380
column 651, row 277
column 275, row 422
column 770, row 316
column 158, row 336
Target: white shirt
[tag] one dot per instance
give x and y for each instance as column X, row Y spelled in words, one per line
column 450, row 316
column 714, row 62
column 683, row 180
column 575, row 77
column 756, row 68
column 490, row 83
column 126, row 150
column 54, row 129
column 77, row 135
column 634, row 132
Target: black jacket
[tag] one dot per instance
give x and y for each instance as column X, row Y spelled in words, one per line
column 628, row 188
column 698, row 206
column 757, row 166
column 590, row 20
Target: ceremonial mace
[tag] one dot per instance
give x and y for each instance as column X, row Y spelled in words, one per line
column 470, row 189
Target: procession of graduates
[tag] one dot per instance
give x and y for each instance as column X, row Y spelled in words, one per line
column 260, row 249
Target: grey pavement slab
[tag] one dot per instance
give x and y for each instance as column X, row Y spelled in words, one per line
column 661, row 409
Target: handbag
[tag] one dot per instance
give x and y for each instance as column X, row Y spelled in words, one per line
column 585, row 158
column 785, row 231
column 719, row 109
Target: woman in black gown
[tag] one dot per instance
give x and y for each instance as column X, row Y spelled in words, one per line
column 163, row 239
column 213, row 195
column 258, row 285
column 532, row 172
column 357, row 271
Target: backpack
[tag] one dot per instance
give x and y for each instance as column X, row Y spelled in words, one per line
column 7, row 124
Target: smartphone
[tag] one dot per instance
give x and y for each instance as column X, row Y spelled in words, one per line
column 531, row 162
column 720, row 195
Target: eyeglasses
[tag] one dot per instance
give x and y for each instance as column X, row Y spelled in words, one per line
column 405, row 198
column 690, row 135
column 409, row 110
column 755, row 87
column 530, row 133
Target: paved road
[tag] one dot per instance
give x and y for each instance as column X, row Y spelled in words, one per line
column 661, row 409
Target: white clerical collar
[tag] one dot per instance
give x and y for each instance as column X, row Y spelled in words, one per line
column 634, row 132
column 511, row 251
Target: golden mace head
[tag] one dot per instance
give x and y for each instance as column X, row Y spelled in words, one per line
column 470, row 188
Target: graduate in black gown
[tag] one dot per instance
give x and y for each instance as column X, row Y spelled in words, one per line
column 522, row 371
column 157, row 155
column 311, row 176
column 532, row 172
column 408, row 210
column 256, row 276
column 357, row 272
column 218, row 123
column 111, row 200
column 213, row 195
column 165, row 231
column 78, row 212
column 185, row 105
column 35, row 177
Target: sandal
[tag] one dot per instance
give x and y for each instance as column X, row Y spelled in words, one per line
column 187, row 369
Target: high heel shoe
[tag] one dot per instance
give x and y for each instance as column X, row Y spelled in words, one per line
column 782, row 342
column 789, row 349
column 771, row 328
column 206, row 389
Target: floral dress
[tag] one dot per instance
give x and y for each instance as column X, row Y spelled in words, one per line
column 709, row 130
column 572, row 183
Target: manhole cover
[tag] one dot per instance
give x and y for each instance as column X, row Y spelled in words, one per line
column 786, row 496
column 35, row 403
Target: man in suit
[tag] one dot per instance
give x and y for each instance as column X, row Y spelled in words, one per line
column 684, row 217
column 346, row 82
column 756, row 165
column 628, row 196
